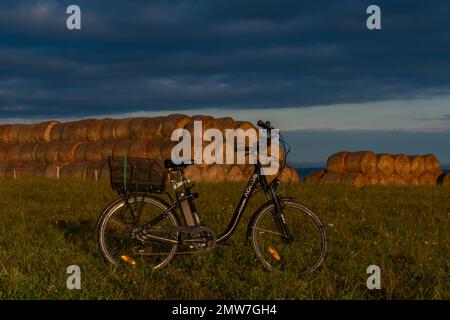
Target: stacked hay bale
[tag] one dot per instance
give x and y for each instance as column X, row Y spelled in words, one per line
column 367, row 168
column 80, row 149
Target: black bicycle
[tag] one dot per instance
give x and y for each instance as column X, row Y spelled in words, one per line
column 142, row 227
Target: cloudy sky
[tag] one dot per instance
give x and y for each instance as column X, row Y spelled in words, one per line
column 312, row 67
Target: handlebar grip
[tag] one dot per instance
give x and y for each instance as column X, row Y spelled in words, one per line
column 264, row 125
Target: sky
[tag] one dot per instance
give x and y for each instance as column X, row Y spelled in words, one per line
column 311, row 67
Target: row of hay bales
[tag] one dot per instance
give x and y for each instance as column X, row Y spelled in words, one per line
column 81, row 148
column 368, row 168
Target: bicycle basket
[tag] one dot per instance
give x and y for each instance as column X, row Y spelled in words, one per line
column 136, row 175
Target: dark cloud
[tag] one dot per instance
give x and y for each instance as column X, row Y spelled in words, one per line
column 157, row 55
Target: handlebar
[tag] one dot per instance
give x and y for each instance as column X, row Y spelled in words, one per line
column 265, row 125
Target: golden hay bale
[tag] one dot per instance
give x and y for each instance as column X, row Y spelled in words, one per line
column 26, row 134
column 51, row 152
column 107, row 131
column 107, row 149
column 432, row 163
column 235, row 174
column 247, row 171
column 336, row 162
column 74, row 170
column 4, row 132
column 80, row 152
column 331, row 177
column 29, row 170
column 121, row 129
column 94, row 129
column 93, row 170
column 121, row 148
column 446, row 180
column 154, row 148
column 53, row 170
column 315, row 177
column 289, row 174
column 105, row 175
column 4, row 152
column 2, row 170
column 361, row 162
column 373, row 179
column 166, row 149
column 417, row 165
column 27, row 152
column 136, row 128
column 386, row 165
column 208, row 122
column 56, row 132
column 402, row 165
column 414, row 181
column 397, row 180
column 214, row 173
column 93, row 151
column 66, row 151
column 139, row 149
column 80, row 129
column 42, row 131
column 193, row 173
column 13, row 153
column 173, row 122
column 225, row 123
column 153, row 128
column 13, row 133
column 39, row 151
column 354, row 179
column 429, row 178
column 68, row 131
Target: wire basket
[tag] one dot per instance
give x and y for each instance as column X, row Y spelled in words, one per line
column 136, row 175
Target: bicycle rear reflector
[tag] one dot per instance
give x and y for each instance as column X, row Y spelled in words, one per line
column 128, row 260
column 274, row 253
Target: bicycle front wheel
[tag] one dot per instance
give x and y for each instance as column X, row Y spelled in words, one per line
column 121, row 234
column 304, row 252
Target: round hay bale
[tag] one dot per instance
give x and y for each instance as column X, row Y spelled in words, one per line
column 446, row 180
column 105, row 175
column 107, row 149
column 417, row 167
column 56, row 132
column 26, row 134
column 373, row 179
column 121, row 129
column 94, row 129
column 432, row 164
column 289, row 175
column 30, row 170
column 402, row 165
column 354, row 179
column 42, row 131
column 386, row 165
column 51, row 152
column 80, row 152
column 13, row 133
column 336, row 162
column 214, row 173
column 27, row 152
column 2, row 170
column 93, row 170
column 13, row 153
column 173, row 122
column 139, row 149
column 315, row 177
column 153, row 128
column 80, row 129
column 361, row 162
column 166, row 150
column 235, row 174
column 331, row 177
column 154, row 148
column 225, row 123
column 74, row 170
column 4, row 152
column 429, row 178
column 122, row 148
column 247, row 171
column 107, row 131
column 4, row 133
column 68, row 131
column 136, row 128
column 39, row 151
column 53, row 170
column 66, row 151
column 414, row 181
column 208, row 122
column 93, row 151
column 193, row 173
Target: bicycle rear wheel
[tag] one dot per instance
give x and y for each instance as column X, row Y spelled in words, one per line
column 304, row 253
column 121, row 224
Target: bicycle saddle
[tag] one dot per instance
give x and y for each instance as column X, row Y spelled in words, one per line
column 170, row 165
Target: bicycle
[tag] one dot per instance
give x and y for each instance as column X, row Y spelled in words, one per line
column 141, row 226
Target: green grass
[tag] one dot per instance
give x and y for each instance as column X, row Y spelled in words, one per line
column 46, row 226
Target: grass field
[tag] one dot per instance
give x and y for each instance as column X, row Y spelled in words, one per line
column 46, row 226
